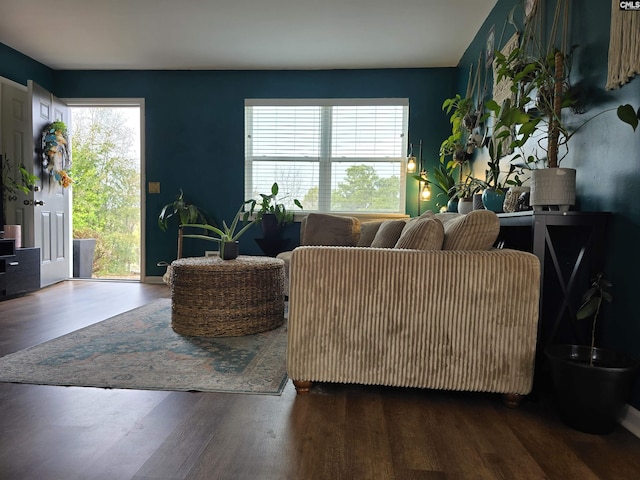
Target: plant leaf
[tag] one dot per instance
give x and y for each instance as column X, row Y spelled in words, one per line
column 588, row 309
column 627, row 114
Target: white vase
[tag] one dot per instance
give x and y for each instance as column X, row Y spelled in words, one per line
column 554, row 188
column 15, row 232
column 465, row 205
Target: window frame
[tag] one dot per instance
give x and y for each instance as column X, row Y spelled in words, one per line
column 324, row 159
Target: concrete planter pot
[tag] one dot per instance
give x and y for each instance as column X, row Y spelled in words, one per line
column 83, row 253
column 553, row 188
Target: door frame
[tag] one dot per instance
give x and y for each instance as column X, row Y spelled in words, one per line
column 126, row 102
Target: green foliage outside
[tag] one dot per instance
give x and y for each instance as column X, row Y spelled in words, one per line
column 364, row 190
column 106, row 183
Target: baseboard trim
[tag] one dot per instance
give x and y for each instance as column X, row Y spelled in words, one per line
column 154, row 280
column 631, row 420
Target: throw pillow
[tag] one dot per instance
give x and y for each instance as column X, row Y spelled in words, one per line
column 368, row 232
column 331, row 230
column 477, row 230
column 388, row 234
column 425, row 234
column 426, row 215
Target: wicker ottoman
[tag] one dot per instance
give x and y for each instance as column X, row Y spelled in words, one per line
column 211, row 297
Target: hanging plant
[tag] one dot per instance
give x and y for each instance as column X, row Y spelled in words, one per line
column 55, row 152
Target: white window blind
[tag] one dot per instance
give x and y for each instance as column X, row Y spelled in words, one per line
column 332, row 155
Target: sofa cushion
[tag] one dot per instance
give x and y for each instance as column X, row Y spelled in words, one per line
column 388, row 234
column 425, row 234
column 368, row 232
column 477, row 230
column 426, row 215
column 330, row 230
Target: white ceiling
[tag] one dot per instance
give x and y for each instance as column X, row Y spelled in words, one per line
column 242, row 34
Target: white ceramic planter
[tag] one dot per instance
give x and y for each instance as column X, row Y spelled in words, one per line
column 554, row 188
column 465, row 205
column 14, row 231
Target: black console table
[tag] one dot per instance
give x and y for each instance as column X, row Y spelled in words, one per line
column 19, row 269
column 571, row 248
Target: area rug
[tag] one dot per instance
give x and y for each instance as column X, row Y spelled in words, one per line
column 139, row 350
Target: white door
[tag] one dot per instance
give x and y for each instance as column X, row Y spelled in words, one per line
column 16, row 145
column 49, row 216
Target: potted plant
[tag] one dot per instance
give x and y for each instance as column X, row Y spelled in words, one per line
column 272, row 214
column 591, row 383
column 465, row 191
column 496, row 181
column 455, row 145
column 181, row 210
column 516, row 198
column 227, row 236
column 541, row 92
column 460, row 145
column 15, row 178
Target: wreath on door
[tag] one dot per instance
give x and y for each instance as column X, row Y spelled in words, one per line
column 55, row 152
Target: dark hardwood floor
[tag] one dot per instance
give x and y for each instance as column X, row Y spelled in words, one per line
column 336, row 432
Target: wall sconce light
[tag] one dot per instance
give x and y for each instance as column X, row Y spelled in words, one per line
column 411, row 160
column 425, row 190
column 411, row 164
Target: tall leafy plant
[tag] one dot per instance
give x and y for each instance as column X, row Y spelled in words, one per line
column 182, row 211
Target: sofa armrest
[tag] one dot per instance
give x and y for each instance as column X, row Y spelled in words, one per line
column 457, row 320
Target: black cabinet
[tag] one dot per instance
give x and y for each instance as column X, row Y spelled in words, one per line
column 19, row 269
column 571, row 249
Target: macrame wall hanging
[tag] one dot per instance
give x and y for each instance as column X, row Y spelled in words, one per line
column 624, row 46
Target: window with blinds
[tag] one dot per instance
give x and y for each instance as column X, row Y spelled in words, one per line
column 340, row 156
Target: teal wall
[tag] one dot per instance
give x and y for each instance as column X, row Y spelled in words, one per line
column 194, row 135
column 195, row 127
column 605, row 154
column 20, row 68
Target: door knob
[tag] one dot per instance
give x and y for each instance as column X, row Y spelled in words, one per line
column 39, row 202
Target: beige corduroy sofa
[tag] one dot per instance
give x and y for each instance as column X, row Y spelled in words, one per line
column 457, row 318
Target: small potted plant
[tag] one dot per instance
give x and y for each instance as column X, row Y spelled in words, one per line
column 271, row 213
column 227, row 236
column 15, row 179
column 273, row 217
column 465, row 191
column 496, row 181
column 591, row 383
column 181, row 210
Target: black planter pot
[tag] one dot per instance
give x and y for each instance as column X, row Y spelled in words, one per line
column 229, row 250
column 590, row 398
column 270, row 226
